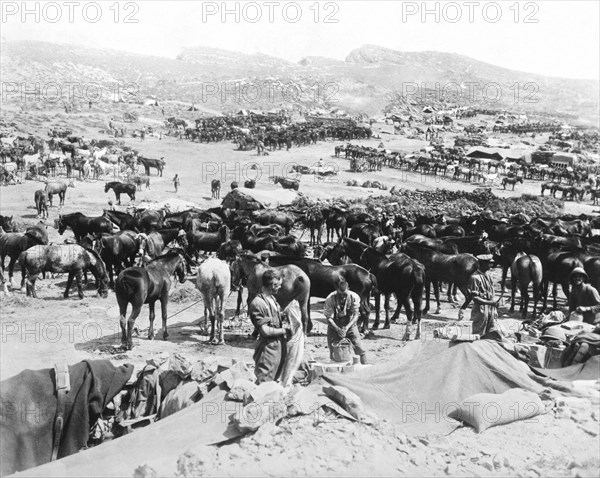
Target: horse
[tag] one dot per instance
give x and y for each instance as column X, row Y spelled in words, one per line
column 120, row 188
column 214, row 282
column 526, row 269
column 139, row 286
column 122, row 220
column 148, row 163
column 335, row 221
column 295, row 283
column 282, row 218
column 58, row 258
column 399, row 275
column 324, row 280
column 152, row 245
column 314, row 220
column 512, row 181
column 82, row 225
column 12, row 244
column 7, row 224
column 439, row 267
column 59, row 188
column 116, row 250
column 207, row 241
column 365, row 232
column 215, row 188
column 41, row 203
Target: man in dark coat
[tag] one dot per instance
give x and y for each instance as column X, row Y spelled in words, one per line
column 29, row 407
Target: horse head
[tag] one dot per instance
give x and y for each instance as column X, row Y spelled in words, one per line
column 60, row 224
column 182, row 268
column 106, row 187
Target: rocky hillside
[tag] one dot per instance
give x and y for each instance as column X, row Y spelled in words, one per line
column 371, row 80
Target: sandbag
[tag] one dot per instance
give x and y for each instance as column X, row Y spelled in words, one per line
column 295, row 344
column 485, row 410
column 179, row 398
column 349, row 401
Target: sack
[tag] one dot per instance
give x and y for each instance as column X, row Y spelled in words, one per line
column 485, row 410
column 582, row 347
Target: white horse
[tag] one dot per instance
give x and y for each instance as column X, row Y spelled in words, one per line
column 214, row 282
column 97, row 154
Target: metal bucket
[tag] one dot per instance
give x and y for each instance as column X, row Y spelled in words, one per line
column 342, row 351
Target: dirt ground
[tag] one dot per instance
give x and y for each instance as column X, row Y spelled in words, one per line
column 36, row 333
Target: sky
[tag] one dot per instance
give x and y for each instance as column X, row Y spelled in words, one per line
column 548, row 37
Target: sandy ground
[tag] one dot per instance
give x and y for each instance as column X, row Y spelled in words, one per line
column 36, row 333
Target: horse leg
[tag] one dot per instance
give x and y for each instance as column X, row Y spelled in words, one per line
column 427, row 295
column 436, row 291
column 31, row 285
column 239, row 302
column 78, row 277
column 402, row 299
column 503, row 282
column 69, row 283
column 128, row 344
column 513, row 293
column 164, row 302
column 11, row 269
column 536, row 297
column 151, row 318
column 306, row 322
column 524, row 300
column 221, row 317
column 565, row 288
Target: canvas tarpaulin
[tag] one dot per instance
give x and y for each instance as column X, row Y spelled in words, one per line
column 426, row 381
column 589, row 370
column 203, row 423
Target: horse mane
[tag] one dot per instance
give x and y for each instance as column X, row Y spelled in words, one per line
column 96, row 256
column 175, row 251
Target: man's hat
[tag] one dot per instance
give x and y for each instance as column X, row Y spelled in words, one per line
column 578, row 271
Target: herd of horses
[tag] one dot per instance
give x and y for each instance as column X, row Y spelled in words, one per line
column 395, row 255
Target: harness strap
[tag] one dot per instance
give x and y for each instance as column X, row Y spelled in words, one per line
column 63, row 386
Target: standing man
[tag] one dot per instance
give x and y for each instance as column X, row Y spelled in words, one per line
column 341, row 311
column 176, row 182
column 265, row 314
column 584, row 298
column 485, row 308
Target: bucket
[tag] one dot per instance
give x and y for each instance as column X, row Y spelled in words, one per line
column 342, row 351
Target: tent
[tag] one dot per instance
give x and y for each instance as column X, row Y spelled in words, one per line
column 150, row 102
column 243, row 198
column 486, row 153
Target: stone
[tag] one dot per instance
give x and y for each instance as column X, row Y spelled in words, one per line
column 574, row 402
column 264, row 435
column 487, row 463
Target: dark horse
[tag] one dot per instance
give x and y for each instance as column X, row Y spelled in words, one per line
column 41, row 203
column 7, row 224
column 116, row 250
column 122, row 219
column 12, row 244
column 82, row 225
column 215, row 188
column 152, row 245
column 399, row 275
column 148, row 163
column 511, row 181
column 295, row 284
column 139, row 286
column 324, row 280
column 71, row 258
column 452, row 268
column 121, row 188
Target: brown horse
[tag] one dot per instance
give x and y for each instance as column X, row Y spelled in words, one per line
column 295, row 283
column 139, row 286
column 526, row 269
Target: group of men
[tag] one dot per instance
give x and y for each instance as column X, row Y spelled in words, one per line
column 342, row 310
